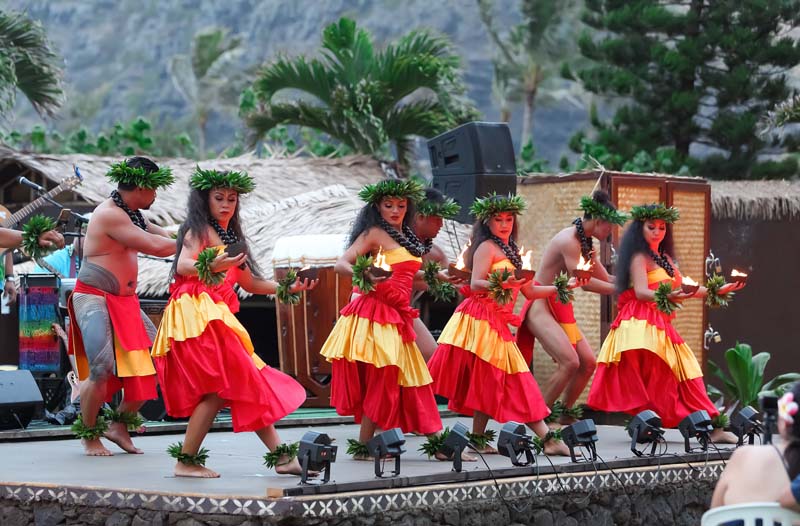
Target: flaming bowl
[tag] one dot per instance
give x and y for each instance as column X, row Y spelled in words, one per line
column 580, row 273
column 689, row 289
column 379, row 272
column 522, row 273
column 459, row 272
column 308, row 273
column 739, row 279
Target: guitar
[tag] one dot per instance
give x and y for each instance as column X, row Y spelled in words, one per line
column 25, row 211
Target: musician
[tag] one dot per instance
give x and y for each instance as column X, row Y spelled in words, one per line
column 109, row 341
column 7, row 277
column 65, row 262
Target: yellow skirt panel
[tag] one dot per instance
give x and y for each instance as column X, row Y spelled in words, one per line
column 572, row 331
column 633, row 334
column 478, row 337
column 357, row 339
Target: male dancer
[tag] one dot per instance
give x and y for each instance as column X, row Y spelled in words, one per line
column 110, row 335
column 552, row 322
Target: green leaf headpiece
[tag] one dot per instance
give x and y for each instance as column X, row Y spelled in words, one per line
column 447, row 210
column 122, row 173
column 401, row 188
column 208, row 179
column 655, row 211
column 484, row 208
column 594, row 210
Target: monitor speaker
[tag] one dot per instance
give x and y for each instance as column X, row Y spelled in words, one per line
column 19, row 399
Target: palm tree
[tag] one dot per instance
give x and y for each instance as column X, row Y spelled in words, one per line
column 29, row 64
column 207, row 79
column 363, row 97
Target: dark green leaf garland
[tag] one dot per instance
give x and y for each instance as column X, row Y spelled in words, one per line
column 538, row 442
column 655, row 211
column 447, row 210
column 401, row 188
column 564, row 293
column 208, row 179
column 490, row 205
column 360, row 279
column 663, row 303
column 122, row 173
column 596, row 210
column 713, row 298
column 497, row 292
column 440, row 290
column 271, row 459
column 284, row 286
column 174, row 450
column 132, row 420
column 434, row 443
column 83, row 431
column 35, row 227
column 203, row 266
column 721, row 421
column 482, row 440
column 357, row 449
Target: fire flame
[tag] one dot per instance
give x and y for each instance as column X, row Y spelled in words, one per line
column 460, row 261
column 526, row 258
column 583, row 264
column 689, row 281
column 380, row 260
column 736, row 273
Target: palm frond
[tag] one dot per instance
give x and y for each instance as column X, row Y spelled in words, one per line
column 348, row 50
column 36, row 66
column 208, row 46
column 424, row 118
column 312, row 77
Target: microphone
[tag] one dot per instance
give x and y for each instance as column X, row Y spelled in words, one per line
column 30, row 184
column 79, row 218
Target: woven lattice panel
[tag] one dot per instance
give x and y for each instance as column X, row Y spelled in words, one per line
column 551, row 208
column 690, row 243
column 629, row 196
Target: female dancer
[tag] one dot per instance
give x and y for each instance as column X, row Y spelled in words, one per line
column 644, row 363
column 204, row 357
column 378, row 373
column 477, row 364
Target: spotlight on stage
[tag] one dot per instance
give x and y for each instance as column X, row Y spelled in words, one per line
column 696, row 425
column 514, row 442
column 745, row 423
column 455, row 443
column 582, row 433
column 317, row 454
column 645, row 428
column 388, row 444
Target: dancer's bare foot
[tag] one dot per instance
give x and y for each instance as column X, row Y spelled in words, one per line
column 465, row 457
column 118, row 434
column 95, row 448
column 291, row 467
column 554, row 425
column 720, row 436
column 566, row 420
column 488, row 450
column 192, row 471
column 366, row 457
column 557, row 448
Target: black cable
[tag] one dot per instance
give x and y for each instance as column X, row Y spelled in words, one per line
column 509, row 506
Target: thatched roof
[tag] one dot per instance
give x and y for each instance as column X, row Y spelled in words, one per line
column 756, row 200
column 276, row 178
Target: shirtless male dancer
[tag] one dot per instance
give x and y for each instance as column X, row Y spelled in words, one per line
column 552, row 322
column 428, row 220
column 110, row 335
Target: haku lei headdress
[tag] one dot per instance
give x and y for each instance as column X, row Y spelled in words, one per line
column 401, row 188
column 484, row 208
column 655, row 211
column 122, row 173
column 208, row 179
column 447, row 210
column 787, row 408
column 595, row 210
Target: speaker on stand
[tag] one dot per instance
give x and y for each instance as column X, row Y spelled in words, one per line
column 20, row 398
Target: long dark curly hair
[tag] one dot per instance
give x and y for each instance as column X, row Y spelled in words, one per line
column 633, row 243
column 792, row 451
column 369, row 216
column 480, row 233
column 198, row 214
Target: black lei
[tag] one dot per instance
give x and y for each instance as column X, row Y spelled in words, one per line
column 408, row 239
column 228, row 237
column 136, row 216
column 662, row 261
column 586, row 244
column 511, row 250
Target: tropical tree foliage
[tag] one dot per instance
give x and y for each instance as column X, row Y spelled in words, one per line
column 28, row 63
column 692, row 73
column 364, row 97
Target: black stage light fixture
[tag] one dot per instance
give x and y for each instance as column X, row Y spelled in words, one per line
column 455, row 443
column 388, row 444
column 745, row 423
column 514, row 442
column 769, row 408
column 317, row 454
column 582, row 433
column 696, row 425
column 645, row 428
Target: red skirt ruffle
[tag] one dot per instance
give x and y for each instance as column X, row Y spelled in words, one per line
column 471, row 384
column 136, row 388
column 216, row 362
column 642, row 380
column 360, row 389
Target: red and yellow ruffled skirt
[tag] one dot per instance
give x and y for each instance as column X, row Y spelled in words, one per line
column 645, row 364
column 202, row 348
column 377, row 369
column 478, row 367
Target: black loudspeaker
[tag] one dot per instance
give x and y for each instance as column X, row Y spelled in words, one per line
column 19, row 399
column 473, row 160
column 473, row 148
